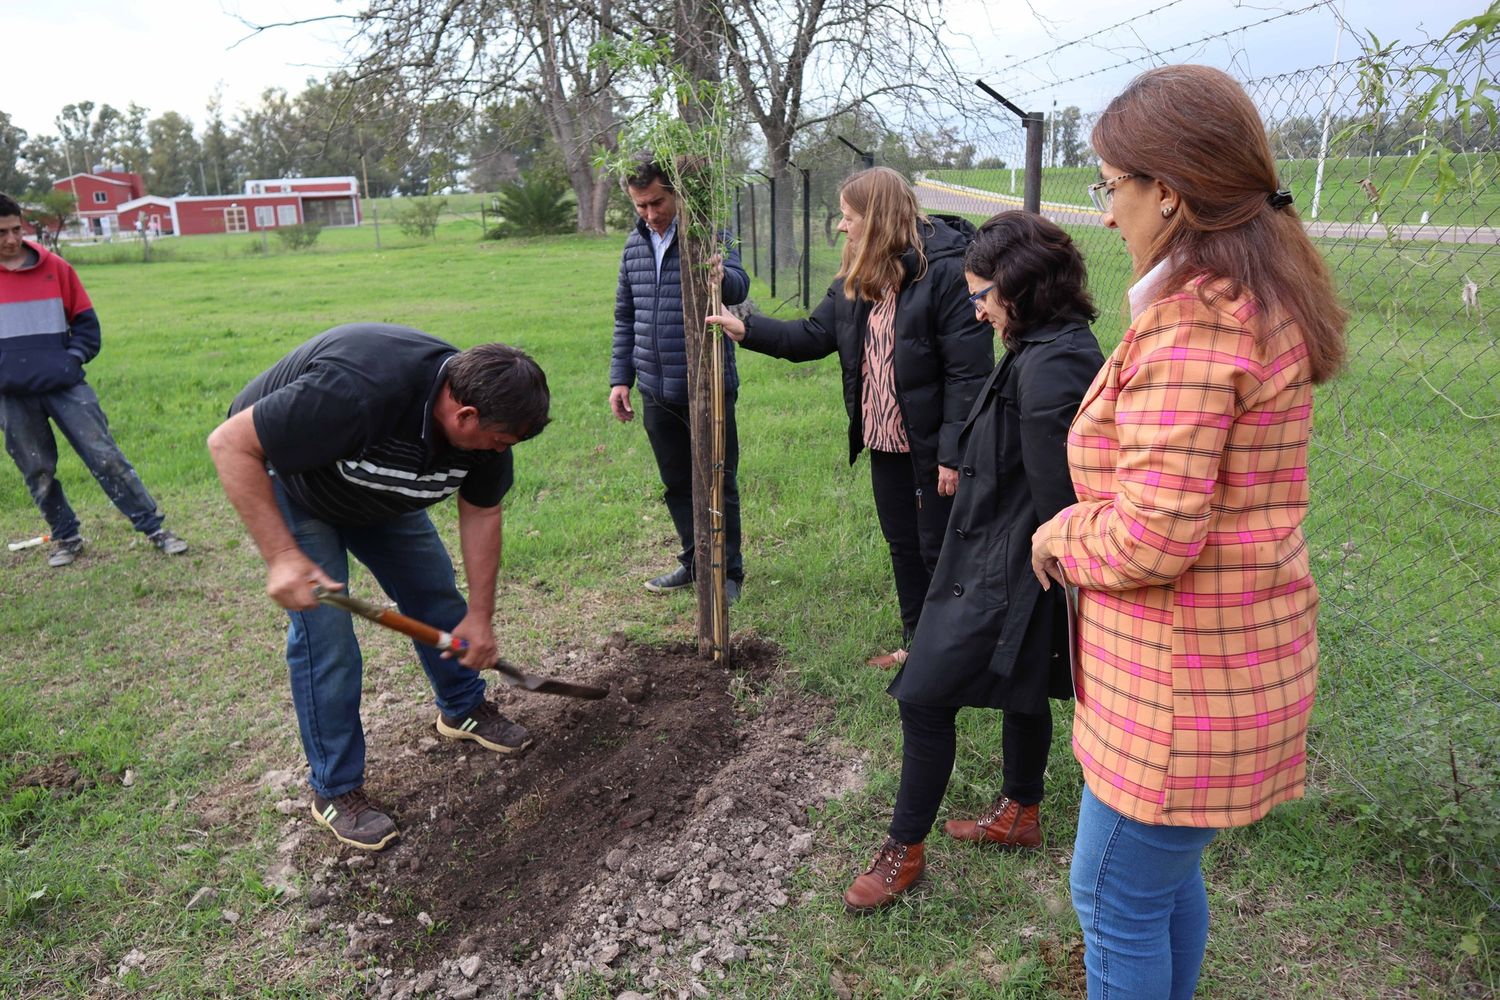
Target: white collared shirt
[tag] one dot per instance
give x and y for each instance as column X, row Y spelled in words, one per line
column 1147, row 290
column 660, row 242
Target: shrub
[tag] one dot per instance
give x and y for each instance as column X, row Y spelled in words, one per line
column 419, row 216
column 299, row 237
column 534, row 205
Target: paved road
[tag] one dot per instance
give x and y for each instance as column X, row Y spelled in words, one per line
column 955, row 198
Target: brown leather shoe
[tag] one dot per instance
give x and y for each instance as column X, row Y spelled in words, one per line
column 887, row 661
column 1005, row 824
column 896, row 868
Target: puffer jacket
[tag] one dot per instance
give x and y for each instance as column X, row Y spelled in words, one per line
column 650, row 347
column 48, row 329
column 942, row 353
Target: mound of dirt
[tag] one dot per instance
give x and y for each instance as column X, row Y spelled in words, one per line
column 646, row 831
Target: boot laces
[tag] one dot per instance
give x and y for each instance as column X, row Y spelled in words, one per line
column 889, row 859
column 1001, row 804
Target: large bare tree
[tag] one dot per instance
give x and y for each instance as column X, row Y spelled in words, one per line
column 476, row 51
column 800, row 63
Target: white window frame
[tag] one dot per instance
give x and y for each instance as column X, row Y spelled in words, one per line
column 236, row 220
column 286, row 215
column 101, row 197
column 265, row 217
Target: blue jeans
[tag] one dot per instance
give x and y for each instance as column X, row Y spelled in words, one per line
column 1138, row 890
column 409, row 561
column 76, row 411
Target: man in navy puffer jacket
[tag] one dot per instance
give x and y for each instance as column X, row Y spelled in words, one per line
column 48, row 332
column 650, row 352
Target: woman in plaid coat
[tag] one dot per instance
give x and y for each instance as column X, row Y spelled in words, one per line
column 1197, row 658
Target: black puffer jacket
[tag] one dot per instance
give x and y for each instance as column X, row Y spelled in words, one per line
column 942, row 353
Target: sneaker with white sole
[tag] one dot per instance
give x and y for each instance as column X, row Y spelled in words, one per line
column 167, row 542
column 668, row 582
column 355, row 820
column 486, row 726
column 65, row 550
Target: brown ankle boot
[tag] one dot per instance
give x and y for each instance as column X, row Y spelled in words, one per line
column 896, row 868
column 1005, row 824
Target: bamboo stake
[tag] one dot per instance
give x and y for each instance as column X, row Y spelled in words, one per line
column 720, row 624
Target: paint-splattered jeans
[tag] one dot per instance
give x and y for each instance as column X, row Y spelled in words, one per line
column 76, row 412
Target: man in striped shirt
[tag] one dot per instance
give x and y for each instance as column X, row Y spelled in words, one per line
column 337, row 450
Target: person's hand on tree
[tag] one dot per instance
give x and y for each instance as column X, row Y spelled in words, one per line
column 734, row 327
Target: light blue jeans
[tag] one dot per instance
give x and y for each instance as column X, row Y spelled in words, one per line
column 411, row 564
column 1138, row 890
column 76, row 412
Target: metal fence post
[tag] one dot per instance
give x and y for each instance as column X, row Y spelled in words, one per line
column 773, row 237
column 754, row 238
column 1031, row 199
column 806, row 238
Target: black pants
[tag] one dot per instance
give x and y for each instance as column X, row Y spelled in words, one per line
column 913, row 519
column 667, row 429
column 928, row 744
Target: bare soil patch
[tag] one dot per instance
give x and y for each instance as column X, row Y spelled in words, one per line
column 648, row 831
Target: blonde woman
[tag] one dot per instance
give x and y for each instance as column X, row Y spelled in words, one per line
column 914, row 357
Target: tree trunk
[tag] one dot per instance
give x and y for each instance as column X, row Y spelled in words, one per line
column 697, row 45
column 788, row 199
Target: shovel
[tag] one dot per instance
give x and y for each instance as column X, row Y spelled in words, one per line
column 446, row 641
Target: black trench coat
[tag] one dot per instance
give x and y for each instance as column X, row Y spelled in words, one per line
column 989, row 636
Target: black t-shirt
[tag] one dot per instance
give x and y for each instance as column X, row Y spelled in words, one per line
column 346, row 424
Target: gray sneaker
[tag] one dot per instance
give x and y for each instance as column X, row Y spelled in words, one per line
column 668, row 582
column 65, row 550
column 167, row 542
column 486, row 726
column 355, row 820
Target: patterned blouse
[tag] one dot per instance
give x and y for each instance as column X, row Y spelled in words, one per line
column 879, row 411
column 1198, row 649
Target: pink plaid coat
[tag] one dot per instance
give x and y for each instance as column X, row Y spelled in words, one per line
column 1197, row 632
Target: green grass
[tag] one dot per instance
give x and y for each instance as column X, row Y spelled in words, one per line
column 172, row 668
column 1342, row 199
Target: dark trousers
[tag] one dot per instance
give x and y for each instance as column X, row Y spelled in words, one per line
column 928, row 743
column 668, row 430
column 913, row 519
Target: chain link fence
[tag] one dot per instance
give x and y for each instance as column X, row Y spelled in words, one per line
column 1405, row 491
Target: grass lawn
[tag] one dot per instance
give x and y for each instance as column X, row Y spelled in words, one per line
column 171, row 670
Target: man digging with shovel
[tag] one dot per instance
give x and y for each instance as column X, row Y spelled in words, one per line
column 338, row 449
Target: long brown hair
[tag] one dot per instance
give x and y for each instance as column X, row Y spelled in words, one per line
column 886, row 202
column 1195, row 130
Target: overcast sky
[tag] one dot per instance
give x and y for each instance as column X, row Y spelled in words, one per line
column 170, row 55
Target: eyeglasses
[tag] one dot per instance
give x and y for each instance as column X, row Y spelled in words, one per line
column 974, row 299
column 1101, row 194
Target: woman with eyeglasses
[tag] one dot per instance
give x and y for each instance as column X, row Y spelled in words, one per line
column 1198, row 648
column 989, row 636
column 913, row 357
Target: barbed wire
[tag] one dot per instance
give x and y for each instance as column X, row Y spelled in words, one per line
column 1092, row 34
column 1157, row 54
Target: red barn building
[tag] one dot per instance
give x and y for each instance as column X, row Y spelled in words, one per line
column 100, row 195
column 265, row 204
